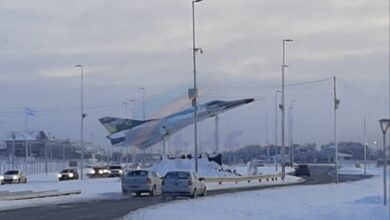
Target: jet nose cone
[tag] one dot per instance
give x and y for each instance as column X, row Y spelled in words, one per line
column 249, row 100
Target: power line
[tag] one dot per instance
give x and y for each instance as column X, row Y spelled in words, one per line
column 266, row 87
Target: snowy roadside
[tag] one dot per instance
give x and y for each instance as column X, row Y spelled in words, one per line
column 107, row 188
column 358, row 200
column 96, row 189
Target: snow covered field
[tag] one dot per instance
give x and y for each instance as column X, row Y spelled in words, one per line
column 360, row 200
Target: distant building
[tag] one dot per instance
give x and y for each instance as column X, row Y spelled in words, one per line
column 36, row 144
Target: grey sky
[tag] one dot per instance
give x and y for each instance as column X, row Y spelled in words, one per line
column 125, row 45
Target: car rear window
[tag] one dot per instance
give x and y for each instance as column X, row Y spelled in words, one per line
column 177, row 175
column 137, row 173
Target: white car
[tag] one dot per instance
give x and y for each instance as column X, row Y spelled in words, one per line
column 141, row 181
column 13, row 176
column 183, row 183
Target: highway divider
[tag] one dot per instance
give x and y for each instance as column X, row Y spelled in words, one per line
column 28, row 194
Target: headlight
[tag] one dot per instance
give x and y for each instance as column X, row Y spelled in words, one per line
column 1, row 177
column 100, row 172
column 109, row 171
column 59, row 175
column 92, row 172
column 120, row 171
column 14, row 177
column 70, row 175
column 106, row 171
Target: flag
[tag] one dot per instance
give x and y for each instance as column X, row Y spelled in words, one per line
column 29, row 112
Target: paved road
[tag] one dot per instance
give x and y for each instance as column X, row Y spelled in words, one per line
column 114, row 209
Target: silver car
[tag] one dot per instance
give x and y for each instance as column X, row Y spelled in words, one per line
column 183, row 183
column 13, row 176
column 141, row 181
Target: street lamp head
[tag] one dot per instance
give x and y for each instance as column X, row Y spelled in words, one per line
column 198, row 0
column 78, row 65
column 287, row 40
column 385, row 124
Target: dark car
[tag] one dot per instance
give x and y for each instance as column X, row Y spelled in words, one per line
column 302, row 170
column 115, row 170
column 98, row 171
column 68, row 174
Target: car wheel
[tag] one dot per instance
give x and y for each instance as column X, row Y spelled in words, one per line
column 25, row 180
column 136, row 194
column 19, row 181
column 153, row 192
column 194, row 194
column 204, row 192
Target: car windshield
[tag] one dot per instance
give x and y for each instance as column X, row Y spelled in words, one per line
column 137, row 173
column 115, row 167
column 11, row 172
column 177, row 175
column 67, row 171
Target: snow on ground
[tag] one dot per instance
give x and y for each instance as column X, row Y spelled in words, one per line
column 359, row 200
column 110, row 188
column 104, row 188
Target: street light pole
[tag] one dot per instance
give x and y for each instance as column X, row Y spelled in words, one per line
column 126, row 150
column 336, row 105
column 132, row 150
column 143, row 103
column 195, row 95
column 292, row 131
column 83, row 115
column 276, row 117
column 385, row 124
column 143, row 118
column 282, row 105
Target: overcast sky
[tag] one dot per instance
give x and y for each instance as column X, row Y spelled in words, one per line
column 125, row 45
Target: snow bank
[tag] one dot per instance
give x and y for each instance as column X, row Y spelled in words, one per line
column 360, row 200
column 205, row 167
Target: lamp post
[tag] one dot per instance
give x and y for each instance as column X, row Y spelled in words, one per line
column 291, row 108
column 143, row 118
column 336, row 105
column 194, row 93
column 13, row 150
column 143, row 103
column 83, row 115
column 385, row 124
column 126, row 150
column 132, row 151
column 283, row 97
column 276, row 117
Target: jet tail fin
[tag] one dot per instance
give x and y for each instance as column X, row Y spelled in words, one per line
column 114, row 125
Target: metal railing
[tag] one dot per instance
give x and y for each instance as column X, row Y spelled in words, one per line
column 237, row 179
column 34, row 167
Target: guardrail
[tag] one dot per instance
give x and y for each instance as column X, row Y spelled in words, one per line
column 28, row 194
column 248, row 179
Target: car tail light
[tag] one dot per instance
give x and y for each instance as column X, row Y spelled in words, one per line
column 148, row 181
column 189, row 182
